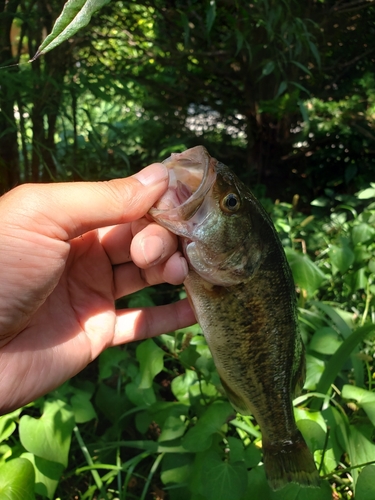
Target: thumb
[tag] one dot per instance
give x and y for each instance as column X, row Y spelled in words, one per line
column 67, row 210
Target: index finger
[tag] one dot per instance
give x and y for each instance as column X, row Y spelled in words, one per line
column 67, row 210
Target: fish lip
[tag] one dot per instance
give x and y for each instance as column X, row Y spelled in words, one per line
column 197, row 159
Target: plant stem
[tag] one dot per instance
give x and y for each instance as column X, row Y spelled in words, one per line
column 89, row 460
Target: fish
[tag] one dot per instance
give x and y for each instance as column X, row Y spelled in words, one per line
column 243, row 294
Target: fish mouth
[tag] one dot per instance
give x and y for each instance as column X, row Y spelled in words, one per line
column 191, row 176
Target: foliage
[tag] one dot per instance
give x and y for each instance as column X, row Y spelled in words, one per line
column 156, row 424
column 283, row 92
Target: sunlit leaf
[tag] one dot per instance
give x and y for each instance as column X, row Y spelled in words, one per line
column 17, row 480
column 49, row 436
column 364, row 398
column 75, row 15
column 325, row 341
column 47, row 475
column 151, row 360
column 306, row 274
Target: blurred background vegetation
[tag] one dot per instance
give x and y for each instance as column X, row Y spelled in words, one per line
column 284, row 93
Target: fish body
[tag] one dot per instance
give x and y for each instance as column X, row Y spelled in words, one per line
column 242, row 291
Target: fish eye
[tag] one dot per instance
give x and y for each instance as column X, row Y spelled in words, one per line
column 230, row 203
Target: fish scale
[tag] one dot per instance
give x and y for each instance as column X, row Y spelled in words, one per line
column 242, row 291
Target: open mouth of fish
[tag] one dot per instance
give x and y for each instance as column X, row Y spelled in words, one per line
column 191, row 177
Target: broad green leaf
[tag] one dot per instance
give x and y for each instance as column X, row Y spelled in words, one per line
column 360, row 447
column 236, row 449
column 138, row 396
column 182, row 383
column 325, row 341
column 223, row 479
column 314, row 430
column 365, row 488
column 252, row 456
column 47, row 475
column 176, row 468
column 314, row 370
column 110, row 360
column 367, row 193
column 49, row 436
column 17, row 480
column 342, row 257
column 7, row 424
column 82, row 407
column 199, row 437
column 305, row 273
column 75, row 15
column 111, row 403
column 362, row 232
column 339, row 318
column 151, row 360
column 337, row 361
column 364, row 398
column 173, row 428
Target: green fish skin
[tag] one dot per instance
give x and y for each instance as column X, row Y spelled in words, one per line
column 242, row 291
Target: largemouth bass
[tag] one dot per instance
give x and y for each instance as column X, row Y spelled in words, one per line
column 242, row 291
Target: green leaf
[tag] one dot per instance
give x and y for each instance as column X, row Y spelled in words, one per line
column 47, row 475
column 176, row 468
column 342, row 257
column 365, row 488
column 302, row 67
column 182, row 383
column 151, row 360
column 82, row 407
column 199, row 437
column 211, row 15
column 282, row 88
column 314, row 370
column 337, row 361
column 173, row 428
column 362, row 232
column 110, row 361
column 365, row 194
column 325, row 341
column 17, row 480
column 268, row 68
column 315, row 52
column 75, row 15
column 305, row 273
column 7, row 424
column 364, row 398
column 223, row 478
column 49, row 436
column 138, row 396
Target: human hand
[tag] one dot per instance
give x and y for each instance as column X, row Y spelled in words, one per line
column 60, row 276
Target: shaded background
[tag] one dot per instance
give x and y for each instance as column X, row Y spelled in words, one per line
column 282, row 91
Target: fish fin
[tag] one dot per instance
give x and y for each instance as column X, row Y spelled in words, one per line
column 289, row 462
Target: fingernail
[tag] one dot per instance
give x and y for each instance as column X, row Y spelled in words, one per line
column 152, row 174
column 152, row 249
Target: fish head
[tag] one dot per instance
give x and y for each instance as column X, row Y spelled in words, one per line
column 212, row 212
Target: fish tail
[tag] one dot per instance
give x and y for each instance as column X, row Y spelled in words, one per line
column 289, row 461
